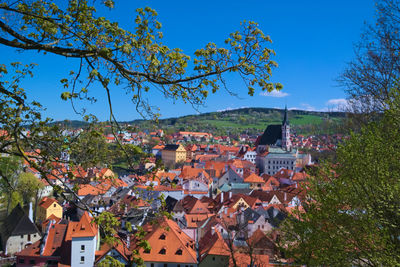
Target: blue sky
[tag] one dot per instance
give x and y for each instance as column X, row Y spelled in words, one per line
column 313, row 41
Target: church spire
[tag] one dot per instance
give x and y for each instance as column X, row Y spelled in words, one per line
column 286, row 143
column 285, row 117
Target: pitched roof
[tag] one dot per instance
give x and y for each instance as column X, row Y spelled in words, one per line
column 168, row 243
column 253, row 178
column 191, row 204
column 84, row 228
column 243, row 260
column 17, row 223
column 189, row 172
column 46, row 202
column 119, row 246
column 49, row 245
column 212, row 244
column 271, row 135
column 171, row 147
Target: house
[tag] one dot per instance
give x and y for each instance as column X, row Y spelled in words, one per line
column 48, row 251
column 262, row 244
column 213, row 250
column 172, row 154
column 85, row 240
column 255, row 181
column 48, row 206
column 17, row 231
column 229, row 177
column 63, row 243
column 118, row 251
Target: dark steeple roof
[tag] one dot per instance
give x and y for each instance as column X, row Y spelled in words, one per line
column 285, row 117
column 171, row 147
column 271, row 135
column 17, row 223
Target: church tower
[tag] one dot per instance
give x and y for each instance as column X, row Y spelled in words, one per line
column 286, row 143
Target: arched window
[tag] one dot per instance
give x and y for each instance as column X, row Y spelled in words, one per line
column 178, row 252
column 162, row 251
column 162, row 237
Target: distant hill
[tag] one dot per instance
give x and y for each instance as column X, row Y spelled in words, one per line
column 244, row 120
column 250, row 120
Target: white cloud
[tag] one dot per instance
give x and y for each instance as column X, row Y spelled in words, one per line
column 308, row 107
column 338, row 101
column 231, row 108
column 274, row 94
column 337, row 104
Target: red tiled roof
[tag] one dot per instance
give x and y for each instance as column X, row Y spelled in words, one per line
column 46, row 202
column 84, row 228
column 168, row 243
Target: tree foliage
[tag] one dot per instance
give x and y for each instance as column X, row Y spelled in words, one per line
column 375, row 69
column 108, row 57
column 352, row 214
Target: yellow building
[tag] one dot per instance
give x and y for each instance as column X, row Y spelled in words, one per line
column 172, row 154
column 47, row 207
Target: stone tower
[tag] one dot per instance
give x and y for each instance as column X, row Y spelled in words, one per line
column 286, row 143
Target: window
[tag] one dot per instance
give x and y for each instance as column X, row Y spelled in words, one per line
column 165, row 265
column 152, row 265
column 82, row 247
column 22, row 236
column 82, row 259
column 34, row 235
column 162, row 251
column 147, row 251
column 213, row 258
column 162, row 237
column 178, row 252
column 32, row 262
column 29, row 237
column 54, row 205
column 21, row 260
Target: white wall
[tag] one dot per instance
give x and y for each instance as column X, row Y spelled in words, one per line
column 17, row 242
column 88, row 253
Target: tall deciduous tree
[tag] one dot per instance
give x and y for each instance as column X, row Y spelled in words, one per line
column 352, row 214
column 375, row 69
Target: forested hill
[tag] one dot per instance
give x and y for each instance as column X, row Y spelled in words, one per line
column 244, row 120
column 250, row 120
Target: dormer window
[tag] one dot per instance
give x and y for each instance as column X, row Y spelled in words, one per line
column 178, row 252
column 162, row 251
column 162, row 237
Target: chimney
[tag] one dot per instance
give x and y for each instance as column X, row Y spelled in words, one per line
column 226, row 210
column 284, row 197
column 222, row 197
column 230, row 194
column 31, row 212
column 212, row 230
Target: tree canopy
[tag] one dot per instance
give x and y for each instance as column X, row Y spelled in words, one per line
column 110, row 57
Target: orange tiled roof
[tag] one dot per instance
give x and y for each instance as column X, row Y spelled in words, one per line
column 84, row 228
column 253, row 178
column 243, row 260
column 119, row 246
column 190, row 173
column 213, row 244
column 88, row 189
column 168, row 243
column 46, row 202
column 53, row 242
